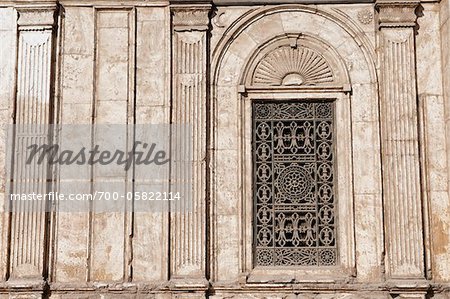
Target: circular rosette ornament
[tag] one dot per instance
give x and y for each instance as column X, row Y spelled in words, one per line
column 295, row 182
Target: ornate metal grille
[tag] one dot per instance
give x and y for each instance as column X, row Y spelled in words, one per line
column 293, row 183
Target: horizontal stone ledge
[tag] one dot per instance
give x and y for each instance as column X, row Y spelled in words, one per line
column 124, row 3
column 233, row 287
column 268, row 2
column 23, row 285
column 84, row 3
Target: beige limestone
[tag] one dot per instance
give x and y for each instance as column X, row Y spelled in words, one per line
column 134, row 62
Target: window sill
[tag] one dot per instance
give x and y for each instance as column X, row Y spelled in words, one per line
column 286, row 275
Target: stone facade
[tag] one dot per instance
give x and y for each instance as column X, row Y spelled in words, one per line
column 385, row 63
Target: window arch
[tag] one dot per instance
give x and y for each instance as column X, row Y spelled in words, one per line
column 296, row 88
column 293, row 140
column 349, row 53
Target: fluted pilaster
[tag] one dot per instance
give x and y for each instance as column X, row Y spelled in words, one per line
column 29, row 223
column 189, row 64
column 400, row 141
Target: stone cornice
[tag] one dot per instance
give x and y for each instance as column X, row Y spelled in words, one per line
column 274, row 2
column 113, row 3
column 399, row 13
column 104, row 3
column 190, row 17
column 38, row 4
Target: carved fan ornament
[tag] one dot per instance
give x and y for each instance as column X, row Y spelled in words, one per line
column 288, row 66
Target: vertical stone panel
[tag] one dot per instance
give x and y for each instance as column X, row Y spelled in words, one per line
column 367, row 182
column 227, row 225
column 429, row 62
column 113, row 105
column 77, row 67
column 400, row 141
column 34, row 111
column 445, row 42
column 368, row 201
column 7, row 74
column 150, row 231
column 435, row 182
column 188, row 221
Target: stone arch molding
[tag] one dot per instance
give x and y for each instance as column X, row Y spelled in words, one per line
column 295, row 60
column 256, row 28
column 320, row 51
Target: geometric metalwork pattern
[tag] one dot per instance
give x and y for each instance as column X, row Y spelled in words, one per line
column 293, row 184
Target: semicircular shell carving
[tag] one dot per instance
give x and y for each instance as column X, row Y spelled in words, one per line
column 288, row 66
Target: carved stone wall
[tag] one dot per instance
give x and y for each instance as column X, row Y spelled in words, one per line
column 382, row 67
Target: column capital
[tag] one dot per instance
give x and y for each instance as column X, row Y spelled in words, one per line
column 190, row 17
column 36, row 17
column 397, row 13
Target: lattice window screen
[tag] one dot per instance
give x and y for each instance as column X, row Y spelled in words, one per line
column 293, row 183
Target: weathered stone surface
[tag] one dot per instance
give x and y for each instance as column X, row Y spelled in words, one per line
column 150, row 236
column 7, row 74
column 385, row 66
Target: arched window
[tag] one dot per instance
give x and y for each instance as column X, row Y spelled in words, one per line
column 298, row 56
column 294, row 89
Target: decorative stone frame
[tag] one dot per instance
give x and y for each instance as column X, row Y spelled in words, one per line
column 356, row 92
column 344, row 194
column 336, row 90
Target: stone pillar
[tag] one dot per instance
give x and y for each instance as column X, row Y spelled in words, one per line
column 34, row 109
column 189, row 99
column 400, row 142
